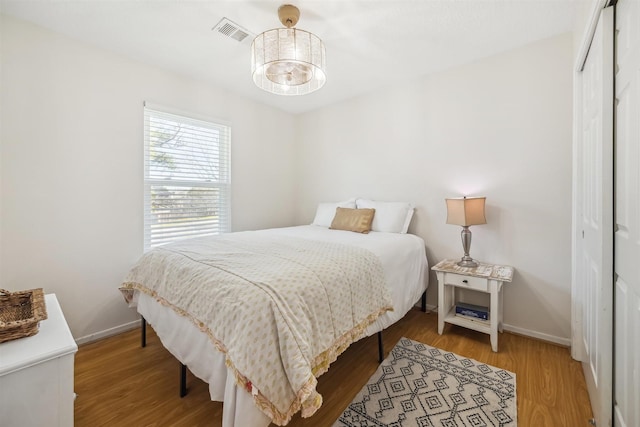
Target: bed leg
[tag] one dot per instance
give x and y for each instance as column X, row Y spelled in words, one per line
column 424, row 302
column 183, row 380
column 143, row 337
column 380, row 348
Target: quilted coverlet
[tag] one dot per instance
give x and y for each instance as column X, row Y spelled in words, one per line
column 280, row 308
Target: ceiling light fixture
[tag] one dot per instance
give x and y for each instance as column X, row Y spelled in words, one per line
column 288, row 61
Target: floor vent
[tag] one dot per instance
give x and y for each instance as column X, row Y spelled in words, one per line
column 230, row 29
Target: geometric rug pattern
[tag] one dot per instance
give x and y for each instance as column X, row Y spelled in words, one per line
column 419, row 385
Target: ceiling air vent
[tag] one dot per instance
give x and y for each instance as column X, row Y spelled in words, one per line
column 230, row 29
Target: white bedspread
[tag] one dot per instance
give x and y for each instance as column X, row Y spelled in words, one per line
column 405, row 269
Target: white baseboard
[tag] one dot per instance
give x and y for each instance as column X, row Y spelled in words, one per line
column 538, row 335
column 429, row 307
column 108, row 332
column 526, row 332
column 136, row 323
column 521, row 331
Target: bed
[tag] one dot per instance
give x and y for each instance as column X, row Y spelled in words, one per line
column 398, row 260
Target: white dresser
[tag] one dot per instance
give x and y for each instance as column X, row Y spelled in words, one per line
column 36, row 374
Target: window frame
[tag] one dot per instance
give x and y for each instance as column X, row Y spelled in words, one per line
column 220, row 162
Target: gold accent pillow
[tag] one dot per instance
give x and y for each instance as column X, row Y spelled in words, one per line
column 358, row 220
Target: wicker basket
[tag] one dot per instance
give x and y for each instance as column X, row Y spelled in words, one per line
column 20, row 313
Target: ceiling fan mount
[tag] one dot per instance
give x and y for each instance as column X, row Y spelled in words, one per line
column 289, row 15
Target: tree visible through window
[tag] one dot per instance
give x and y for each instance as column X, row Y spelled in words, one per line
column 187, row 177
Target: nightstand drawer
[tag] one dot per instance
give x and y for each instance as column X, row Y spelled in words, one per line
column 477, row 283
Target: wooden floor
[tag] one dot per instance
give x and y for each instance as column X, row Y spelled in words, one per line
column 118, row 383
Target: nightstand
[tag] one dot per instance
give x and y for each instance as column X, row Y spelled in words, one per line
column 486, row 278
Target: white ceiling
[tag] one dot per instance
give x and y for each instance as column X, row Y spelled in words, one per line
column 369, row 43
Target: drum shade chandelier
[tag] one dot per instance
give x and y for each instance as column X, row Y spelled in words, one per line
column 288, row 61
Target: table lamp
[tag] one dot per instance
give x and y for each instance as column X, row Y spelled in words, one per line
column 466, row 211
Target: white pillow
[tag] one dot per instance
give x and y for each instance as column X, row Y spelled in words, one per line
column 390, row 217
column 326, row 211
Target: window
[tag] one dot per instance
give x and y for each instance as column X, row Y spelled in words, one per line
column 187, row 181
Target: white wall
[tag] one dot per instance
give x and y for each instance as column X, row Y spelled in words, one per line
column 71, row 167
column 499, row 127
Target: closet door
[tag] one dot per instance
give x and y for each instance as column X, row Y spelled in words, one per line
column 594, row 246
column 627, row 216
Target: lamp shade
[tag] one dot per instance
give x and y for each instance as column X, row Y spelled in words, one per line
column 466, row 211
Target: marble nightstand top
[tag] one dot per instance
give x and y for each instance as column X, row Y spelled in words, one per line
column 489, row 271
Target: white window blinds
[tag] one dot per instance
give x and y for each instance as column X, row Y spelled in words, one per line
column 187, row 177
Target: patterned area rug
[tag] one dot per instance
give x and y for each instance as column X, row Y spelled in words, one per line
column 418, row 385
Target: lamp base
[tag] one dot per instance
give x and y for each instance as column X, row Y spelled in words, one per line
column 467, row 261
